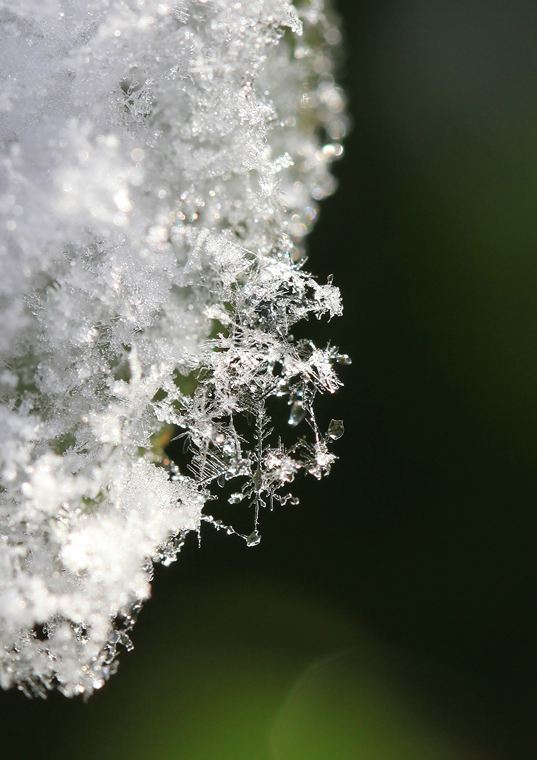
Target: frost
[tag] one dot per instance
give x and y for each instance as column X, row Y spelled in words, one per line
column 161, row 165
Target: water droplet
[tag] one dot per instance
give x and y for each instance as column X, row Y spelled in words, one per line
column 253, row 539
column 344, row 359
column 297, row 414
column 221, row 480
column 335, row 429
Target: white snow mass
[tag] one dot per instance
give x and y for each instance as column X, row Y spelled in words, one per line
column 160, row 167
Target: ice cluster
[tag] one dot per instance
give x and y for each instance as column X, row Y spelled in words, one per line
column 160, row 167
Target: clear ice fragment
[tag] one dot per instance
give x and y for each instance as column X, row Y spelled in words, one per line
column 336, row 429
column 253, row 539
column 296, row 413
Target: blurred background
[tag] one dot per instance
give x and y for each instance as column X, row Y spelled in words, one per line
column 393, row 614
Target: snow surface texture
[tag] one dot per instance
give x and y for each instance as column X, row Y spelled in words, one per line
column 161, row 165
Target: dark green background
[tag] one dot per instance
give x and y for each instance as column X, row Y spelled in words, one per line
column 393, row 615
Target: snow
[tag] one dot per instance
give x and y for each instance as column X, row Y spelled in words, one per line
column 161, row 165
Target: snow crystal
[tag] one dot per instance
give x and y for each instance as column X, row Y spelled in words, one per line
column 161, row 165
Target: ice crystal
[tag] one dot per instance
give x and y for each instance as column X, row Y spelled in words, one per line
column 161, row 165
